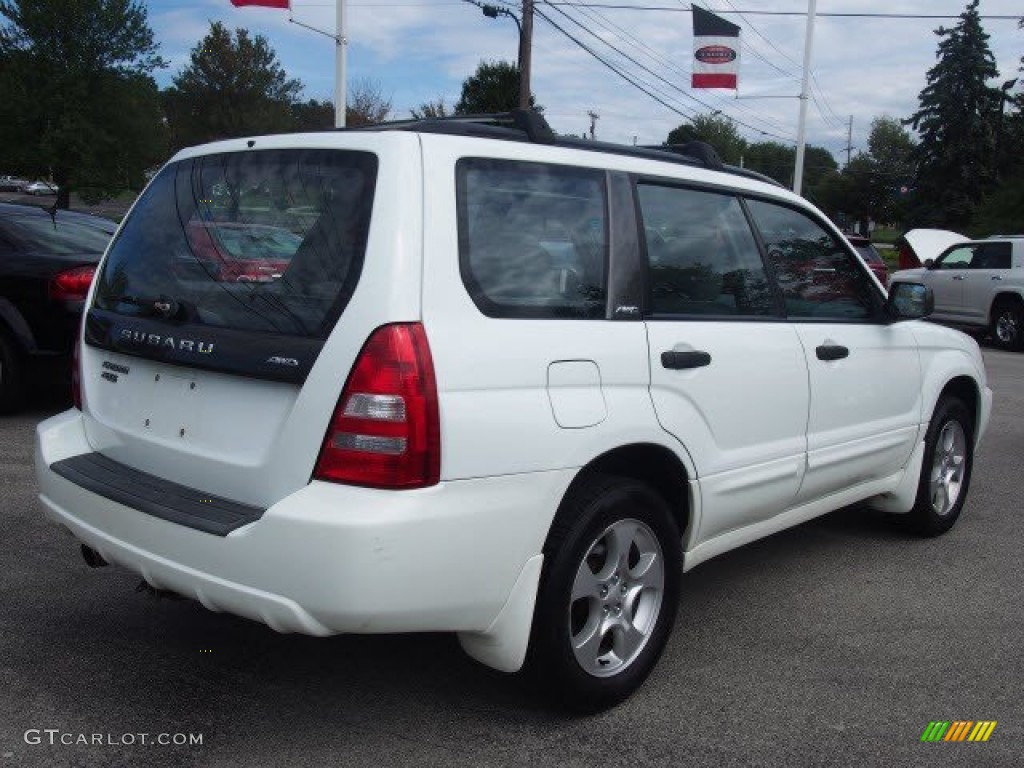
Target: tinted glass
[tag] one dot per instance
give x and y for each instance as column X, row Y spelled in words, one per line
column 702, row 256
column 263, row 241
column 818, row 277
column 60, row 235
column 869, row 254
column 992, row 256
column 532, row 238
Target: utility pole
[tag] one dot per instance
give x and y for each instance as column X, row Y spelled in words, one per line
column 849, row 140
column 525, row 51
column 594, row 117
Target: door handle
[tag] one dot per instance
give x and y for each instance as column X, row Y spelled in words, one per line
column 958, row 277
column 832, row 352
column 681, row 360
column 996, row 277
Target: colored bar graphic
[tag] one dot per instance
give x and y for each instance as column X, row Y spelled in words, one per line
column 958, row 730
column 935, row 731
column 987, row 731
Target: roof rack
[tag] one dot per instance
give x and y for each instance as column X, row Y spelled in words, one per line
column 529, row 125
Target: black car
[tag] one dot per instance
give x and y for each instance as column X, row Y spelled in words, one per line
column 47, row 261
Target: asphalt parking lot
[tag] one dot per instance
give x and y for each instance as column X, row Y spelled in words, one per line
column 834, row 643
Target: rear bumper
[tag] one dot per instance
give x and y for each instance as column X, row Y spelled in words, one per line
column 328, row 558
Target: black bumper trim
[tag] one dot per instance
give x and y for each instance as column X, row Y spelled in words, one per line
column 156, row 496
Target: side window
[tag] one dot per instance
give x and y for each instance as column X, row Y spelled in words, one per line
column 992, row 256
column 702, row 256
column 532, row 239
column 959, row 257
column 818, row 277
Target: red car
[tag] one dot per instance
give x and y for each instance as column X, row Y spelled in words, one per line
column 871, row 257
column 240, row 252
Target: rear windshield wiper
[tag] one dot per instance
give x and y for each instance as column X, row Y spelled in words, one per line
column 159, row 306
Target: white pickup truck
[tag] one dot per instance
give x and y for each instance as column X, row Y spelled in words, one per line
column 978, row 284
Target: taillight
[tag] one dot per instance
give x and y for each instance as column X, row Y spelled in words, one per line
column 72, row 284
column 76, row 372
column 385, row 431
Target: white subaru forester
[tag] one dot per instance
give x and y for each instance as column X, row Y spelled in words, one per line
column 472, row 377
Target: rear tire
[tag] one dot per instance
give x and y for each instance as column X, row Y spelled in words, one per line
column 1007, row 327
column 946, row 469
column 12, row 376
column 608, row 594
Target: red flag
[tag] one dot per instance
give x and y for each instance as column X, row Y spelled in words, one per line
column 716, row 51
column 283, row 4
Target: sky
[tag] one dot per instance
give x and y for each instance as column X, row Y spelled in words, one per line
column 416, row 51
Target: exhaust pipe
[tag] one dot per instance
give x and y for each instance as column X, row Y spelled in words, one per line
column 92, row 557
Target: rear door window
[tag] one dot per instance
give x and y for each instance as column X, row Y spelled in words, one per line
column 263, row 242
column 992, row 256
column 532, row 238
column 702, row 257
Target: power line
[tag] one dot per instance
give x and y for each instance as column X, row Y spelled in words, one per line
column 832, row 14
column 610, row 66
column 836, row 120
column 757, row 32
column 648, row 70
column 661, row 60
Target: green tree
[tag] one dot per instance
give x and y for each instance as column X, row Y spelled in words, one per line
column 494, row 87
column 891, row 148
column 76, row 97
column 719, row 132
column 313, row 115
column 778, row 160
column 367, row 104
column 430, row 110
column 849, row 196
column 233, row 85
column 955, row 121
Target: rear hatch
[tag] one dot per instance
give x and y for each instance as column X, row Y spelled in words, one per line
column 226, row 314
column 919, row 245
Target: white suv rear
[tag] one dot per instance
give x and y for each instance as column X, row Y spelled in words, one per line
column 472, row 378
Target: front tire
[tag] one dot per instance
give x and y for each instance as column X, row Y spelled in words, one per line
column 608, row 595
column 946, row 469
column 1007, row 327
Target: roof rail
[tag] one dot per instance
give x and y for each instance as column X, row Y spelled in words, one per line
column 530, row 125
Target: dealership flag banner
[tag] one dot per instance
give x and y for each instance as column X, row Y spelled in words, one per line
column 716, row 51
column 282, row 4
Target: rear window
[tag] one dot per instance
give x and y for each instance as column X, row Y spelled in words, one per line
column 60, row 235
column 868, row 253
column 269, row 241
column 532, row 238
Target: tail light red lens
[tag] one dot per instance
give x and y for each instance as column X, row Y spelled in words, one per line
column 72, row 284
column 385, row 431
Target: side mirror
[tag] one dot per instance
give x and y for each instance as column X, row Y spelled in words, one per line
column 929, row 263
column 909, row 301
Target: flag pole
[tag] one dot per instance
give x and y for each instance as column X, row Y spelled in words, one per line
column 801, row 137
column 341, row 43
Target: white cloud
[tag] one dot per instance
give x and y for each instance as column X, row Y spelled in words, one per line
column 421, row 49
